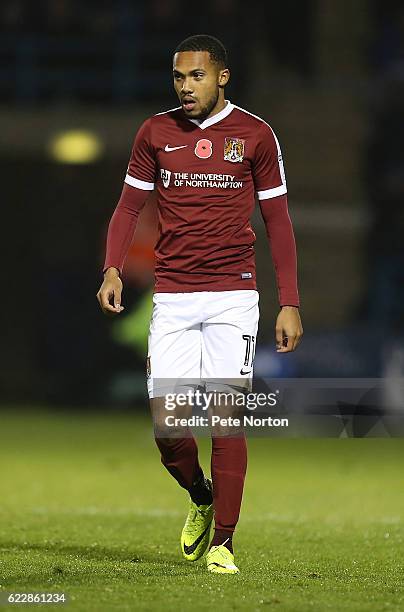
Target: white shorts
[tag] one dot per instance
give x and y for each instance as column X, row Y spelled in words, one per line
column 202, row 336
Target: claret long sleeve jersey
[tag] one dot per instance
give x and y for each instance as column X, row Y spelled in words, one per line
column 207, row 175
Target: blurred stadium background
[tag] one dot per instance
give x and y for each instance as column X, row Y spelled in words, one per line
column 77, row 79
column 85, row 506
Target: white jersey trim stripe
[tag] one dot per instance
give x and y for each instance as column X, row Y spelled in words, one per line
column 252, row 115
column 210, row 120
column 130, row 180
column 272, row 193
column 215, row 118
column 280, row 160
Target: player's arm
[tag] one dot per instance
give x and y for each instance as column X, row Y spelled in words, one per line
column 281, row 239
column 120, row 235
column 139, row 182
column 270, row 182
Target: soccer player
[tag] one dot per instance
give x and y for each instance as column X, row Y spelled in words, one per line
column 207, row 159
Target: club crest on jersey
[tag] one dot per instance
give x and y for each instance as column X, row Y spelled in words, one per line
column 203, row 148
column 234, row 149
column 165, row 177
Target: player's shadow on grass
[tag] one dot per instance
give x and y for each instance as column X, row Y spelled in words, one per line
column 95, row 553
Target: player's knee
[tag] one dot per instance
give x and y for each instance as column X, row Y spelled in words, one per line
column 227, row 430
column 166, row 431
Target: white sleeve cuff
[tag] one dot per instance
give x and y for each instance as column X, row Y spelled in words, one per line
column 272, row 193
column 139, row 184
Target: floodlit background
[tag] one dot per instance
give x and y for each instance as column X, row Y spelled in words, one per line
column 78, row 78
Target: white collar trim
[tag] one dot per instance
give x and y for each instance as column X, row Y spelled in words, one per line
column 215, row 118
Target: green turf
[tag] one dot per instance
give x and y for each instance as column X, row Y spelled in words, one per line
column 87, row 509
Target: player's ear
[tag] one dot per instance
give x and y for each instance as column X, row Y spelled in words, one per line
column 224, row 76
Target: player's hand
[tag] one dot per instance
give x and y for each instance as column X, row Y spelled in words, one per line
column 109, row 295
column 289, row 330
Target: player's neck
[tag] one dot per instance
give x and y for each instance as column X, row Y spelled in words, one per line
column 219, row 106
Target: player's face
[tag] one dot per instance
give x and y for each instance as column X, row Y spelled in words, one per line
column 198, row 82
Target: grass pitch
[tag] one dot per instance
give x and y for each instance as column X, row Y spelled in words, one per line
column 87, row 509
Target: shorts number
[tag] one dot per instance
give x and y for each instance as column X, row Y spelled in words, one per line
column 249, row 350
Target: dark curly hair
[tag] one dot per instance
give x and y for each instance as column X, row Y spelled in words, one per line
column 204, row 42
